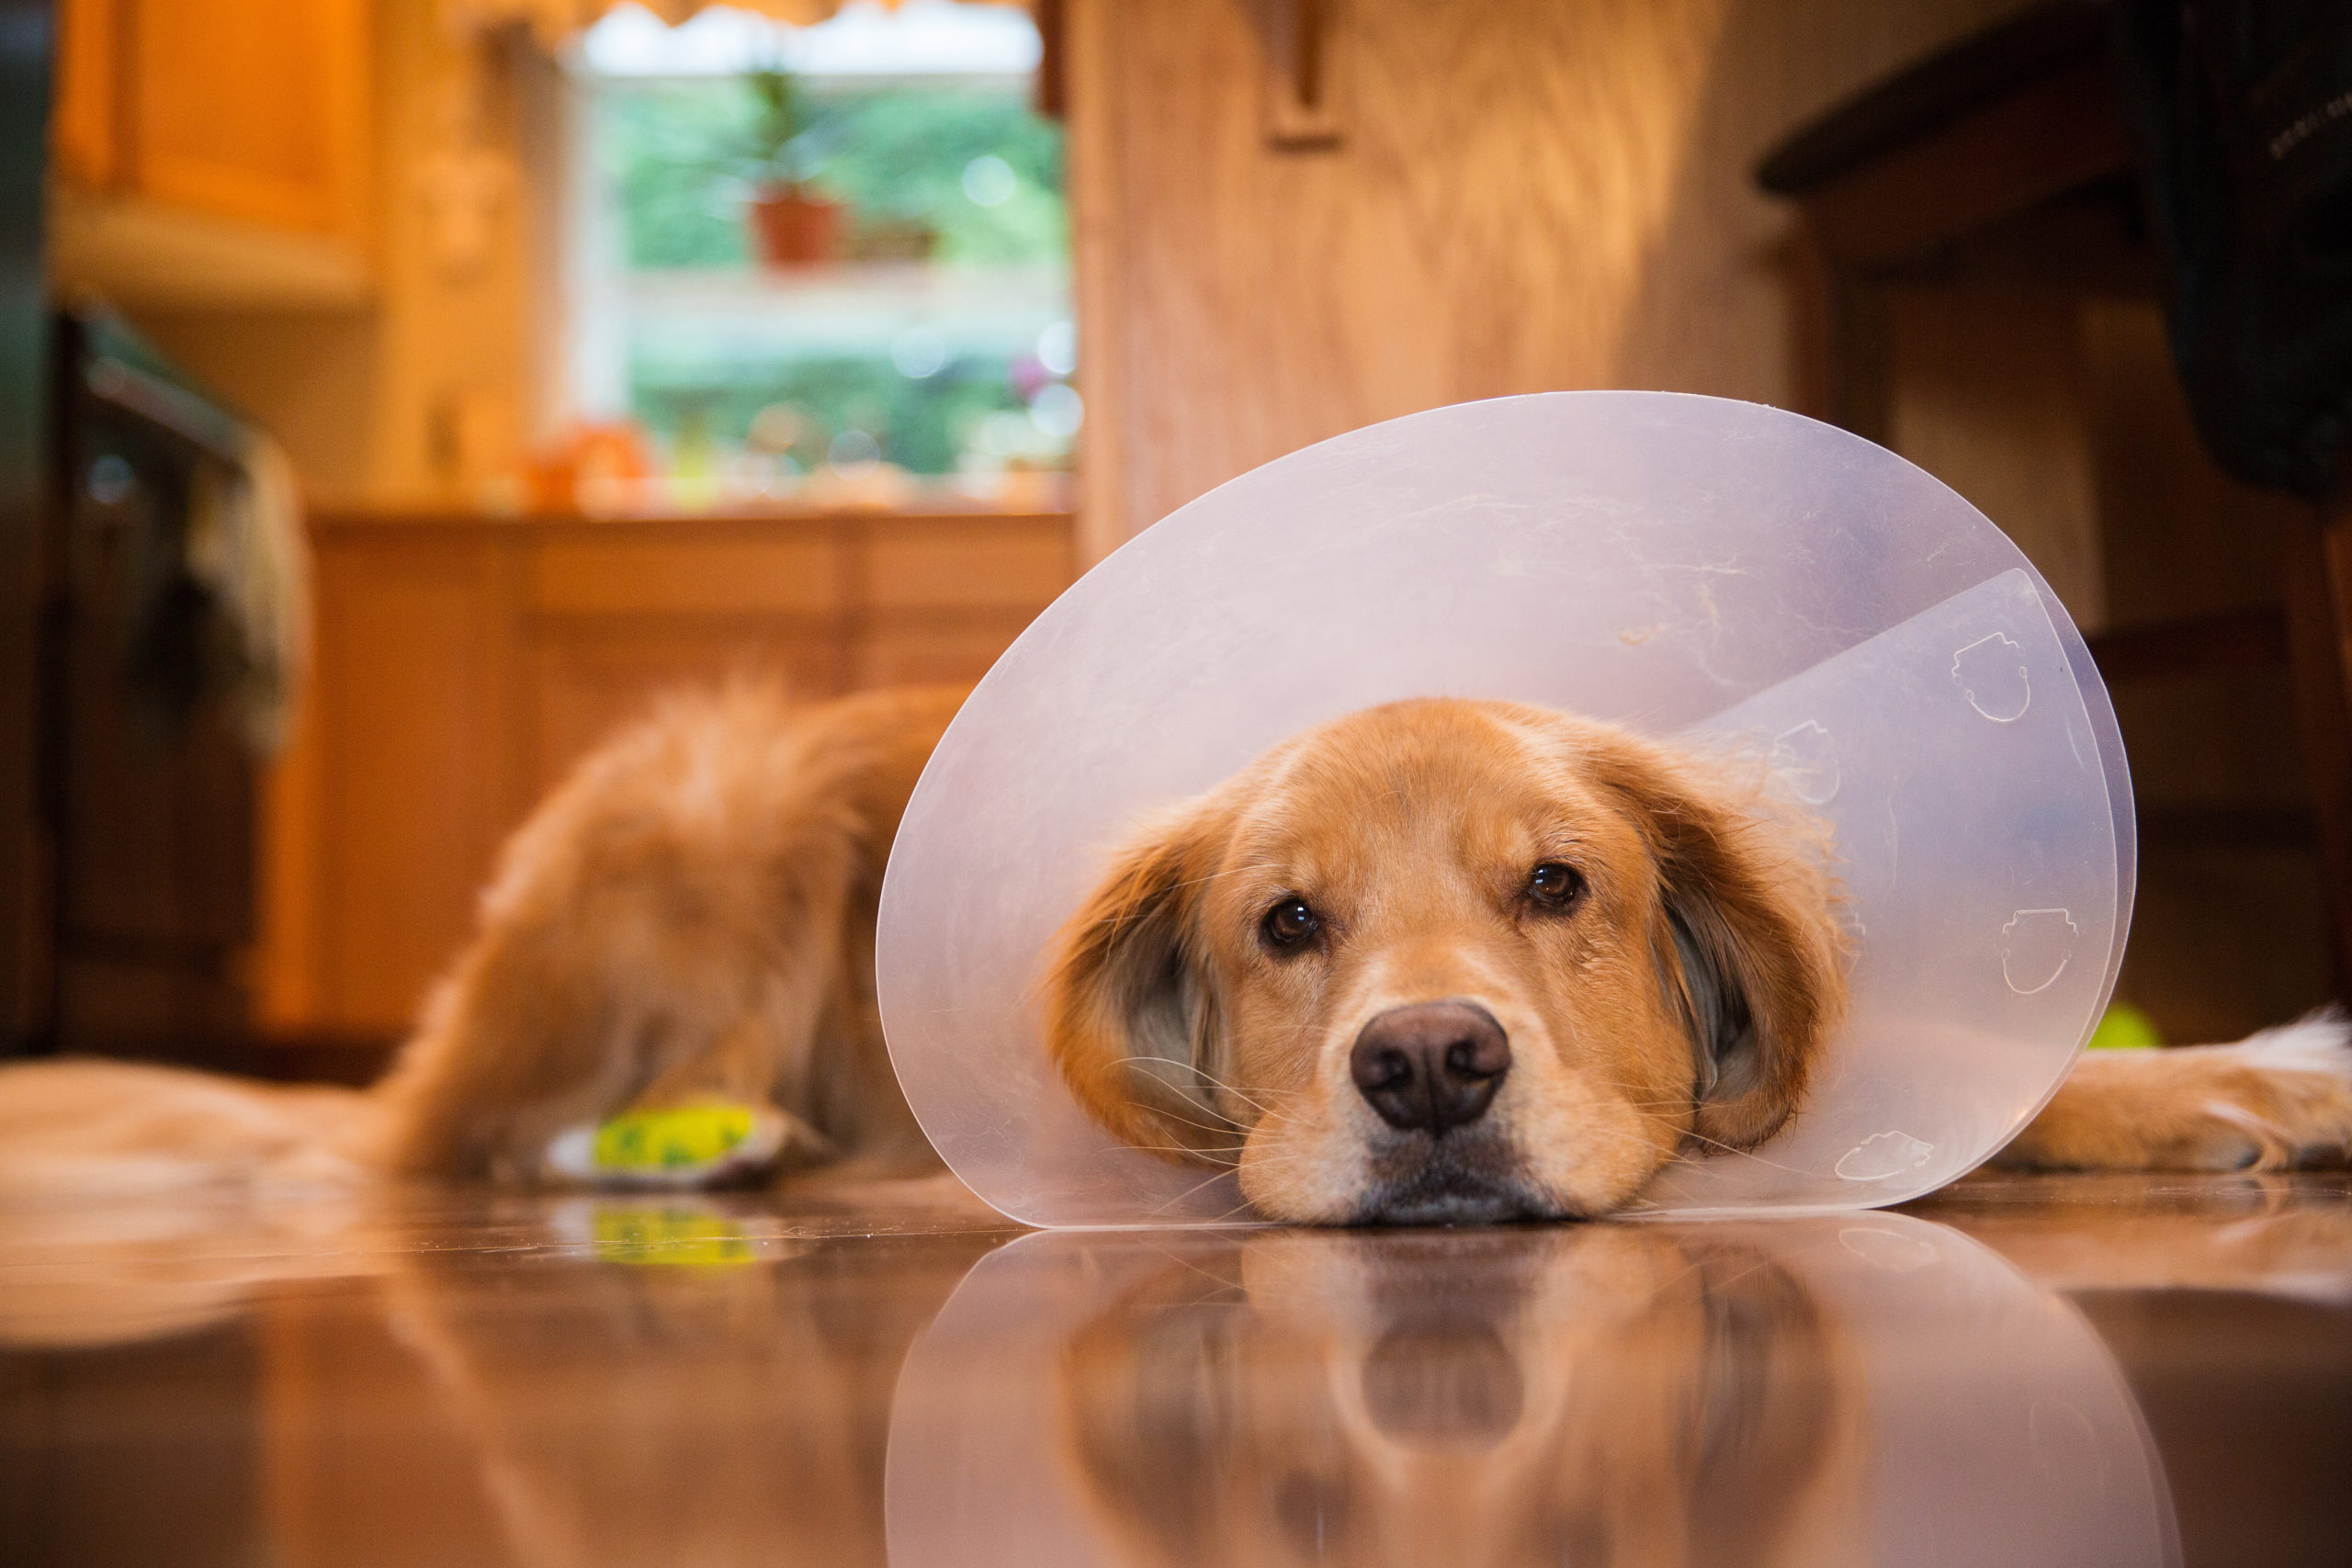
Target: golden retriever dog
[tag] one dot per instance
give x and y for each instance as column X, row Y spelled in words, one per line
column 1610, row 1394
column 1441, row 960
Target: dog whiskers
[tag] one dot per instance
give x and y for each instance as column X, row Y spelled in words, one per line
column 1228, row 1158
column 1227, row 1130
column 1248, row 1096
column 1719, row 1147
column 1245, row 1096
column 1188, row 1191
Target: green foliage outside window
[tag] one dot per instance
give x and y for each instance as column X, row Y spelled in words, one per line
column 667, row 149
column 921, row 425
column 683, row 157
column 679, row 161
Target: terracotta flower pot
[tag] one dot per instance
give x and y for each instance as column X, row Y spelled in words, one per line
column 791, row 228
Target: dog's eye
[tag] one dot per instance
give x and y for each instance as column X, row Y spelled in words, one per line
column 1553, row 885
column 1290, row 924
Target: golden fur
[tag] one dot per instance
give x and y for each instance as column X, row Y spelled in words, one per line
column 692, row 912
column 1702, row 947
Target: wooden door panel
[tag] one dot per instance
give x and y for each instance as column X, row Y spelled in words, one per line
column 83, row 125
column 418, row 688
column 911, row 650
column 801, row 573
column 968, row 563
column 463, row 668
column 254, row 109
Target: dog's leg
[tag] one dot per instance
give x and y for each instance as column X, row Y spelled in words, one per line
column 2279, row 1099
column 668, row 923
column 740, row 1069
column 687, row 917
column 544, row 1030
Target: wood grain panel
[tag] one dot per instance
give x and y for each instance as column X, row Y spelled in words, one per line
column 419, row 709
column 1993, row 398
column 690, row 574
column 968, row 563
column 2319, row 620
column 465, row 664
column 252, row 109
column 1553, row 195
column 2056, row 136
column 904, row 650
column 84, row 124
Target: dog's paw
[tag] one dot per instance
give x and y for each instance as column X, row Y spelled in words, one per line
column 2278, row 1100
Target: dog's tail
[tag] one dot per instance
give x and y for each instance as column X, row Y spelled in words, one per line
column 86, row 1128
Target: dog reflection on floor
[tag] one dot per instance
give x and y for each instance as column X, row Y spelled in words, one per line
column 1610, row 1396
column 699, row 1398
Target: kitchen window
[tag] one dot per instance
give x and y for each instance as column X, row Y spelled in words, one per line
column 824, row 265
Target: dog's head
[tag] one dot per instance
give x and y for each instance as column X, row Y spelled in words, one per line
column 1448, row 960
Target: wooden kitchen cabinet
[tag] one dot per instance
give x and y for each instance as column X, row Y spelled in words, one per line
column 230, row 135
column 464, row 664
column 84, row 142
column 250, row 108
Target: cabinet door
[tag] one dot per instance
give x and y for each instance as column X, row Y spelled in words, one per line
column 418, row 701
column 82, row 124
column 946, row 596
column 254, row 109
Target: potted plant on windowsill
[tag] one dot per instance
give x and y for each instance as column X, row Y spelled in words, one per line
column 791, row 223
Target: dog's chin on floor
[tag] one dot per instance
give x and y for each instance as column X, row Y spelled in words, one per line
column 1442, row 962
column 1455, row 1180
column 1440, row 1197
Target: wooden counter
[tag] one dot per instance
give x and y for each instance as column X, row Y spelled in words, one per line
column 464, row 663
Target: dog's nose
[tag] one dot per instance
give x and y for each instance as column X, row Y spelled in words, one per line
column 1430, row 1065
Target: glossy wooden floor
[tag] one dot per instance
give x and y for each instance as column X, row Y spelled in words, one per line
column 2074, row 1372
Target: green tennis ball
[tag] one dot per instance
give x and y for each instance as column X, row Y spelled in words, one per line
column 2125, row 1028
column 671, row 1138
column 669, row 1236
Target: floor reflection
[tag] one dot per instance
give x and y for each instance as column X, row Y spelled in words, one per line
column 695, row 1399
column 886, row 1374
column 1865, row 1389
column 1572, row 1398
column 465, row 1380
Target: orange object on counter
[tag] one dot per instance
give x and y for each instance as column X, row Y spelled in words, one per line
column 591, row 462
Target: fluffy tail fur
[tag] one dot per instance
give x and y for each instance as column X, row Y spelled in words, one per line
column 97, row 1129
column 691, row 912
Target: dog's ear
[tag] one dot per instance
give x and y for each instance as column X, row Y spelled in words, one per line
column 1131, row 1015
column 1747, row 945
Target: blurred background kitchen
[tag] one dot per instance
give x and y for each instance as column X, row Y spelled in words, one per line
column 395, row 393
